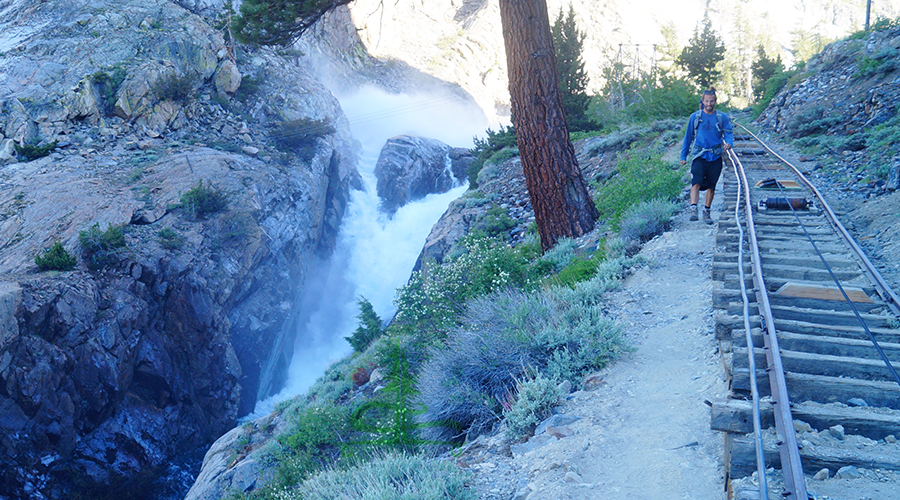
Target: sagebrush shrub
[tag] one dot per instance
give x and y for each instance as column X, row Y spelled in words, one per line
column 390, row 476
column 560, row 332
column 647, row 219
column 534, row 401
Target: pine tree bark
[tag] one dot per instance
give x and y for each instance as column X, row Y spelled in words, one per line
column 559, row 196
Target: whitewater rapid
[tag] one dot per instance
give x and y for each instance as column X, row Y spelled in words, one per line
column 374, row 254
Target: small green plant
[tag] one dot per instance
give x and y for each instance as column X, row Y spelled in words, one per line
column 201, row 200
column 175, row 87
column 170, row 239
column 534, row 401
column 369, row 327
column 32, row 151
column 55, row 258
column 101, row 248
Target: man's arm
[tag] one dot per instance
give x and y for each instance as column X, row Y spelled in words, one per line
column 688, row 139
column 729, row 136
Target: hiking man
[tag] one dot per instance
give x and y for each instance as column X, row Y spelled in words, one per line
column 708, row 137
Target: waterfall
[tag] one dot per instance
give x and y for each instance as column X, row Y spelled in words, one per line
column 374, row 254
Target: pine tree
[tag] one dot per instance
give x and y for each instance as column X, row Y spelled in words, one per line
column 568, row 41
column 279, row 22
column 704, row 52
column 562, row 205
column 369, row 327
column 763, row 69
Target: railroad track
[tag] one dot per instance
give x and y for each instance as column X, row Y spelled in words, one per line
column 823, row 326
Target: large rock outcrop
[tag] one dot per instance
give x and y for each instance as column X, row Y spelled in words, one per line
column 112, row 369
column 411, row 167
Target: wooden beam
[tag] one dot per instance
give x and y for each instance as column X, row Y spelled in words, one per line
column 735, row 415
column 822, row 292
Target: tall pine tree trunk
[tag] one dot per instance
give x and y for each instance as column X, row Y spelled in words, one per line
column 562, row 205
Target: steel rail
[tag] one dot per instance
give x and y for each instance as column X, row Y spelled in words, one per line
column 884, row 290
column 867, row 267
column 754, row 388
column 788, row 449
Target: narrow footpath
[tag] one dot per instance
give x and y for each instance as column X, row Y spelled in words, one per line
column 642, row 428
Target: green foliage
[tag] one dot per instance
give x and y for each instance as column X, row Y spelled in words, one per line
column 432, row 299
column 630, row 101
column 101, row 248
column 32, row 151
column 704, row 51
column 560, row 332
column 640, row 175
column 369, row 327
column 495, row 222
column 107, row 82
column 568, row 41
column 883, row 144
column 170, row 239
column 485, row 149
column 647, row 219
column 807, row 43
column 311, row 444
column 534, row 401
column 779, row 80
column 392, row 476
column 55, row 258
column 278, row 22
column 300, row 135
column 763, row 69
column 175, row 87
column 884, row 61
column 201, row 200
column 581, row 268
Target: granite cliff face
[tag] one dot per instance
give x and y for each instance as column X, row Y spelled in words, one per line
column 113, row 369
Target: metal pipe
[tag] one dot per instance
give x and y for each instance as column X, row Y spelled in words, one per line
column 754, row 390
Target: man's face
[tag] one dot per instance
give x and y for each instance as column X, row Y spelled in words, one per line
column 709, row 103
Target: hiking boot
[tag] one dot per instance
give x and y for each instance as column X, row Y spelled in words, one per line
column 707, row 216
column 693, row 211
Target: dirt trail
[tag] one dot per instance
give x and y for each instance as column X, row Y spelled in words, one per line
column 643, row 433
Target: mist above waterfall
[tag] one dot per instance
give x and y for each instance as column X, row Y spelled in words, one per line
column 375, row 253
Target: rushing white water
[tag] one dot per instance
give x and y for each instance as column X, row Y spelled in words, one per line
column 374, row 254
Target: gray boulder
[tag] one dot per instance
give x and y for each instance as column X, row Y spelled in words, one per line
column 411, row 167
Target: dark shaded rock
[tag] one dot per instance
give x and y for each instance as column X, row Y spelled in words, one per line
column 411, row 167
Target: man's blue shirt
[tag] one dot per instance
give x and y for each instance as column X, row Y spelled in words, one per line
column 708, row 134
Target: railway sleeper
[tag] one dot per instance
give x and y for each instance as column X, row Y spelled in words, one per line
column 832, row 346
column 735, row 416
column 889, row 335
column 722, row 298
column 726, row 324
column 819, row 364
column 733, row 282
column 823, row 388
column 740, row 456
column 830, row 317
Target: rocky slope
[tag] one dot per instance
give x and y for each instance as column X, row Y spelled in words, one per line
column 109, row 370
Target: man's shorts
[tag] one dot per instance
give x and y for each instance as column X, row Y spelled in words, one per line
column 706, row 173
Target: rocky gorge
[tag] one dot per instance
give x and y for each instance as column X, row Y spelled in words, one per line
column 190, row 319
